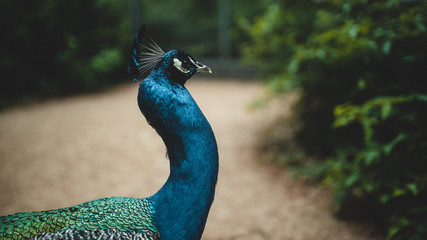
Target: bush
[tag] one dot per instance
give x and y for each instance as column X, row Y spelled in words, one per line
column 361, row 67
column 390, row 168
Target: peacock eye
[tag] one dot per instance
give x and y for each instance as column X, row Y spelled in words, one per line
column 181, row 65
column 185, row 64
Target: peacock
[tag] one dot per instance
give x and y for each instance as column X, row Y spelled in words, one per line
column 179, row 210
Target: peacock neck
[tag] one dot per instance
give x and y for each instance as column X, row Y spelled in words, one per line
column 182, row 205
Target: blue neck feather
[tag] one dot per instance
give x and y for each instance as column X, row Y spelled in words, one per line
column 181, row 206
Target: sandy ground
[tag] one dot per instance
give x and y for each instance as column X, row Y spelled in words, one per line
column 64, row 152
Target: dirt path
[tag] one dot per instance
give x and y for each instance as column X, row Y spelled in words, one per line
column 68, row 151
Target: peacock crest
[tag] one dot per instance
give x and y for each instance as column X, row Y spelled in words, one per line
column 144, row 54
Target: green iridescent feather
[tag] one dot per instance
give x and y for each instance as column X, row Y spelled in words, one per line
column 124, row 214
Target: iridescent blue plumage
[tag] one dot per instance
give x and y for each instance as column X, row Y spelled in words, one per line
column 180, row 208
column 183, row 203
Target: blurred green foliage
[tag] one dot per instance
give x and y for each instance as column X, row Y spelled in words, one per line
column 60, row 47
column 52, row 48
column 390, row 169
column 361, row 66
column 188, row 25
column 192, row 25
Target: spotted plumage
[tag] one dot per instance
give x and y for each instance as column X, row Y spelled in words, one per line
column 179, row 210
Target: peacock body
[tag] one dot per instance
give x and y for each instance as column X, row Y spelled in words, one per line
column 179, row 210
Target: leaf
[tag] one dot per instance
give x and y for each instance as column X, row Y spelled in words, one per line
column 412, row 187
column 346, row 7
column 398, row 192
column 384, row 198
column 409, row 58
column 387, row 148
column 387, row 47
column 361, row 84
column 386, row 110
column 420, row 97
column 371, row 156
column 353, row 31
column 351, row 180
column 419, row 22
column 392, row 231
column 345, row 114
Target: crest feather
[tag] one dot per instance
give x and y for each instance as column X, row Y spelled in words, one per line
column 144, row 54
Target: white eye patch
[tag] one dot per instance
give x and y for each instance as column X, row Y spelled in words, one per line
column 178, row 65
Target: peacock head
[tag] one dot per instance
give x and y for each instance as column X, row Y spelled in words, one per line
column 145, row 56
column 182, row 66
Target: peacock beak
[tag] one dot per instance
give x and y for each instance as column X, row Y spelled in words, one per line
column 203, row 68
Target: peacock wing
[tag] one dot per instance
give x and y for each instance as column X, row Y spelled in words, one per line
column 114, row 217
